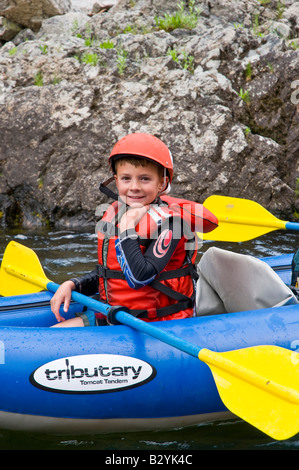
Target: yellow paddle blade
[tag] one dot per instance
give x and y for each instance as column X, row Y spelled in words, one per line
column 260, row 384
column 239, row 219
column 21, row 271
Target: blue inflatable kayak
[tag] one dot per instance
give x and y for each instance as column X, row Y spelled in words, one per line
column 117, row 379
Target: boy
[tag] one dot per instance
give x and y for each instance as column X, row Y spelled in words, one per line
column 146, row 245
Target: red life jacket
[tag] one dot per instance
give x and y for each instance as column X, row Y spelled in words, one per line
column 171, row 295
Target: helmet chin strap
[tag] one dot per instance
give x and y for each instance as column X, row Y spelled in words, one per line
column 107, row 191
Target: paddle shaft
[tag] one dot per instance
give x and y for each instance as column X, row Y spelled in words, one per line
column 292, row 226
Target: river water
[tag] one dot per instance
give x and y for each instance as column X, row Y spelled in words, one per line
column 67, row 253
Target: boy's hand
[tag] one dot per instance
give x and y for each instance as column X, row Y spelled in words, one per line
column 133, row 215
column 63, row 295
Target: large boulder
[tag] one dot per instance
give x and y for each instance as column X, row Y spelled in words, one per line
column 222, row 94
column 31, row 13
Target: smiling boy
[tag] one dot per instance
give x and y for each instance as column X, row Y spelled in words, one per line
column 138, row 183
column 146, row 249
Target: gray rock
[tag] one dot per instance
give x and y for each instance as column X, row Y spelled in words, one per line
column 222, row 95
column 8, row 29
column 30, row 13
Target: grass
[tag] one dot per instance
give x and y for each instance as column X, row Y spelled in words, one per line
column 248, row 72
column 12, row 51
column 184, row 60
column 38, row 79
column 107, row 44
column 44, row 49
column 294, row 45
column 90, row 59
column 244, row 95
column 186, row 19
column 121, row 60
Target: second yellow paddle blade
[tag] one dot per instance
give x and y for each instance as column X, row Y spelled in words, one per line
column 21, row 271
column 239, row 219
column 261, row 387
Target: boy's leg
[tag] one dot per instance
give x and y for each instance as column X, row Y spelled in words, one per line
column 72, row 322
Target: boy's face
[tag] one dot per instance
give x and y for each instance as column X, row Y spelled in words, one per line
column 138, row 185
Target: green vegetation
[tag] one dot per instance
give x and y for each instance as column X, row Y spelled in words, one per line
column 40, row 183
column 244, row 95
column 247, row 131
column 184, row 60
column 280, row 9
column 248, row 72
column 264, row 2
column 12, row 51
column 56, row 79
column 44, row 49
column 38, row 79
column 294, row 45
column 256, row 25
column 107, row 44
column 90, row 59
column 271, row 68
column 182, row 18
column 133, row 29
column 238, row 25
column 121, row 60
column 185, row 17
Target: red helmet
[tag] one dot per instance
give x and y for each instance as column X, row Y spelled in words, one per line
column 144, row 145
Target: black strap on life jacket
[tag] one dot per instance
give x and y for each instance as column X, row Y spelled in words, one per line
column 183, row 302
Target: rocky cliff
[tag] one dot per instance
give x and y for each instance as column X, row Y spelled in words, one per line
column 216, row 80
